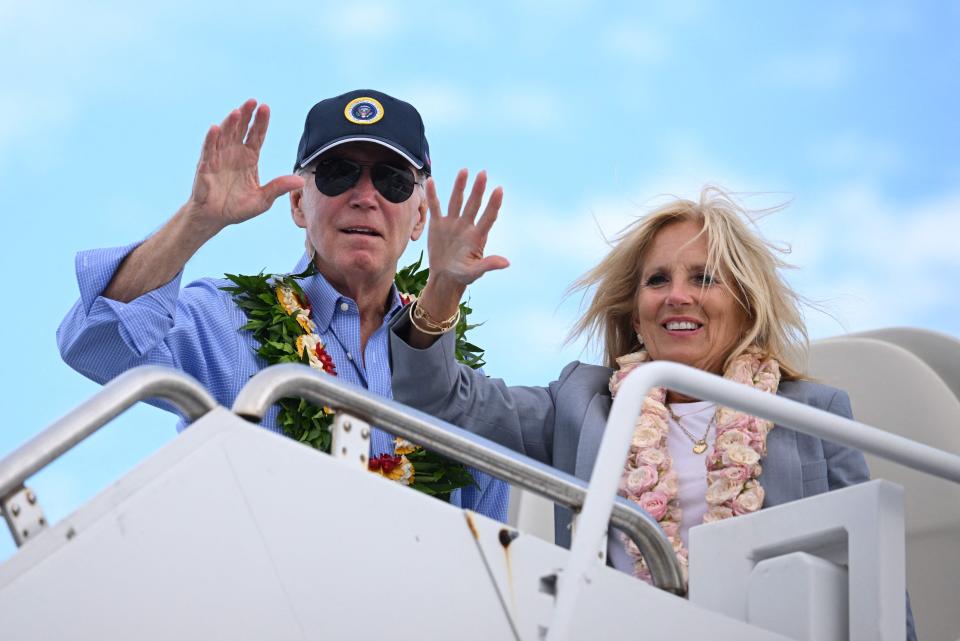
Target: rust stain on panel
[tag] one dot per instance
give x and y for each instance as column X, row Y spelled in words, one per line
column 471, row 525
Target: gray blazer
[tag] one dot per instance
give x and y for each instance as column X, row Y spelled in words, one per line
column 562, row 424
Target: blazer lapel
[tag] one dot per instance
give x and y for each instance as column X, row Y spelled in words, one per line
column 594, row 423
column 781, row 478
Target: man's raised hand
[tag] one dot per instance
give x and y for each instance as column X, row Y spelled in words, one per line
column 456, row 241
column 226, row 189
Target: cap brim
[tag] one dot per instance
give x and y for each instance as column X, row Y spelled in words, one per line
column 379, row 141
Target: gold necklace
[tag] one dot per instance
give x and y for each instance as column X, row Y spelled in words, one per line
column 699, row 445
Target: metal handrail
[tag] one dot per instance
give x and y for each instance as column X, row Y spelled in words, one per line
column 148, row 381
column 290, row 380
column 700, row 384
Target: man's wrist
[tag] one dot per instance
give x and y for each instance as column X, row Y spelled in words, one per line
column 196, row 227
column 441, row 296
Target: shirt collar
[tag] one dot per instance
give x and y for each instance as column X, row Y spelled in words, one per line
column 324, row 298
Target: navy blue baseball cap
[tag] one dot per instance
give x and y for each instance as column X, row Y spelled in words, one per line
column 364, row 115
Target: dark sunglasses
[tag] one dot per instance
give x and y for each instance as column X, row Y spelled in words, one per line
column 336, row 175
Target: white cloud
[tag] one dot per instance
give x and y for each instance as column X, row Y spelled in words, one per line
column 817, row 70
column 874, row 262
column 549, row 249
column 366, row 22
column 868, row 261
column 525, row 107
column 459, row 26
column 526, row 340
column 448, row 105
column 556, row 7
column 59, row 48
column 681, row 11
column 580, row 235
column 364, row 29
column 545, row 330
column 61, row 38
column 573, row 236
column 23, row 115
column 857, row 223
column 442, row 105
column 635, row 42
column 688, row 165
column 853, row 151
column 884, row 18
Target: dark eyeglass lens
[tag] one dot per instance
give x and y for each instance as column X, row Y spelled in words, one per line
column 394, row 183
column 335, row 176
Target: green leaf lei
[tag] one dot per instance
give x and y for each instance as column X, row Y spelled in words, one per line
column 284, row 334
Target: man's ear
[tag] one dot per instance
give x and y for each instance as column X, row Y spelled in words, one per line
column 421, row 217
column 296, row 208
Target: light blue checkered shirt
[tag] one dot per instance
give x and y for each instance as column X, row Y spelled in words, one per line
column 195, row 329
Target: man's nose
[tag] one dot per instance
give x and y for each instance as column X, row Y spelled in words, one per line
column 363, row 193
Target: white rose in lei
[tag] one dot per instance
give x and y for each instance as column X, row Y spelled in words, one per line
column 741, row 455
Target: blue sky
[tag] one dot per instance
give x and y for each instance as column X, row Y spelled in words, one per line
column 586, row 113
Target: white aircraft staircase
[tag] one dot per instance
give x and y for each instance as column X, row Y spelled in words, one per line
column 233, row 532
column 907, row 381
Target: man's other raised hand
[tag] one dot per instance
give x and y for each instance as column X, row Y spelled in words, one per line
column 226, row 189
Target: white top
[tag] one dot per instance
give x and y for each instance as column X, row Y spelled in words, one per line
column 691, row 473
column 691, row 468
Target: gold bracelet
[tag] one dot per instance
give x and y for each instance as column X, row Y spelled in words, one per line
column 433, row 328
column 430, row 321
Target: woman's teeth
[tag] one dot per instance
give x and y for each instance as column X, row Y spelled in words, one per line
column 681, row 325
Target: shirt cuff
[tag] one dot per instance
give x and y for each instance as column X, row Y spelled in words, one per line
column 139, row 317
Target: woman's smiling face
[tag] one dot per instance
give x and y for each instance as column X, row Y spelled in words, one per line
column 685, row 313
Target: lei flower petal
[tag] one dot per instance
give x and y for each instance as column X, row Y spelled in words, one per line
column 286, row 333
column 403, row 446
column 395, row 468
column 287, row 300
column 732, row 467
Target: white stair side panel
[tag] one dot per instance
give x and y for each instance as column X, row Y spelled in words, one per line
column 232, row 532
column 358, row 552
column 180, row 557
column 612, row 606
column 251, row 536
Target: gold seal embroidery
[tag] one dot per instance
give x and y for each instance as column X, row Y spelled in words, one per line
column 363, row 111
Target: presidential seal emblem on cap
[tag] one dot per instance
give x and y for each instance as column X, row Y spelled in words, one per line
column 363, row 111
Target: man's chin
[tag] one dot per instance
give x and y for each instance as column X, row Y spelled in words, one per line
column 358, row 266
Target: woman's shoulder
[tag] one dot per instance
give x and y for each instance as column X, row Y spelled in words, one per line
column 585, row 375
column 811, row 393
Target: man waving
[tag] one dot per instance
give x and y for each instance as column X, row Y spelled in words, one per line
column 357, row 190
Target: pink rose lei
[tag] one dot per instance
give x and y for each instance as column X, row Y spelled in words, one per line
column 733, row 466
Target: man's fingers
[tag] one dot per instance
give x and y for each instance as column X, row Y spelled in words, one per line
column 433, row 201
column 476, row 196
column 208, row 152
column 228, row 128
column 246, row 112
column 491, row 263
column 280, row 186
column 491, row 212
column 258, row 131
column 456, row 194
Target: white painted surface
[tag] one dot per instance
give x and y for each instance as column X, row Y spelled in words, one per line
column 814, row 588
column 905, row 381
column 859, row 526
column 232, row 532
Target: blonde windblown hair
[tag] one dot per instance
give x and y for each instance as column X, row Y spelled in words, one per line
column 775, row 324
